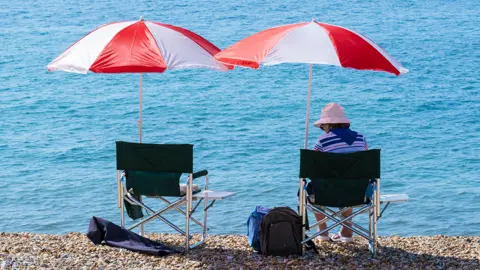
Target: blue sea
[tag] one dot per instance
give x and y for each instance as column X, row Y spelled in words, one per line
column 58, row 130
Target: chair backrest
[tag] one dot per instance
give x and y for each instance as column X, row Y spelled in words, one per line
column 340, row 180
column 155, row 157
column 154, row 169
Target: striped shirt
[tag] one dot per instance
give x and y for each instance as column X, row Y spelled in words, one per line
column 330, row 142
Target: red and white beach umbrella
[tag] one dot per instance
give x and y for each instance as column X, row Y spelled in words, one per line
column 311, row 43
column 138, row 47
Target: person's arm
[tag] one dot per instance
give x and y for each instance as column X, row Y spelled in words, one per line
column 365, row 141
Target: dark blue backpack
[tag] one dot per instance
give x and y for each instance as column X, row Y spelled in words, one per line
column 253, row 225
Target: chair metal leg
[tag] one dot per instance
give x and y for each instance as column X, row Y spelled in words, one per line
column 181, row 211
column 157, row 214
column 122, row 207
column 383, row 210
column 340, row 222
column 376, row 208
column 301, row 209
column 142, row 232
column 370, row 230
column 205, row 209
column 188, row 212
column 377, row 195
column 122, row 216
column 118, row 189
column 187, row 199
column 333, row 217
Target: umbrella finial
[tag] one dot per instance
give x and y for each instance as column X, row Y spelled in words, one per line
column 313, row 19
column 141, row 18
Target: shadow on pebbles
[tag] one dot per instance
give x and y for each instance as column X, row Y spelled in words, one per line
column 75, row 251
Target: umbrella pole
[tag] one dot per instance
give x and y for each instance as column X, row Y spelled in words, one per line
column 140, row 121
column 307, row 117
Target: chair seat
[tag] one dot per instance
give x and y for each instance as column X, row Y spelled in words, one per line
column 384, row 198
column 213, row 195
column 183, row 190
column 311, row 200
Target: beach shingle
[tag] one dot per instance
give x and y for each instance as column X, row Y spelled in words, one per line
column 75, row 251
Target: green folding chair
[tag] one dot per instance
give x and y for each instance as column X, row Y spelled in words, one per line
column 343, row 181
column 154, row 170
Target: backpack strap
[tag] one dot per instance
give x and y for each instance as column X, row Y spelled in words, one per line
column 310, row 245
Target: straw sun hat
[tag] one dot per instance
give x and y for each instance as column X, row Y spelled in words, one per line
column 332, row 113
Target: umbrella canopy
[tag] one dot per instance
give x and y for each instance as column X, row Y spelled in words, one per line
column 311, row 43
column 138, row 47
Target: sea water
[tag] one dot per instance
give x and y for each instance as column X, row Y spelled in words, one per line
column 58, row 130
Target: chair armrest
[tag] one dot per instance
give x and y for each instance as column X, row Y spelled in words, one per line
column 200, row 174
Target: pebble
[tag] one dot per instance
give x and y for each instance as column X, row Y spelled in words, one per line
column 75, row 251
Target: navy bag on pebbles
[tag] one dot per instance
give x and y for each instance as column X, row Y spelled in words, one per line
column 253, row 224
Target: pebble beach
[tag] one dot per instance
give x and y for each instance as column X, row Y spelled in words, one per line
column 75, row 251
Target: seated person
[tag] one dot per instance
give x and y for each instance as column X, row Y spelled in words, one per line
column 338, row 138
